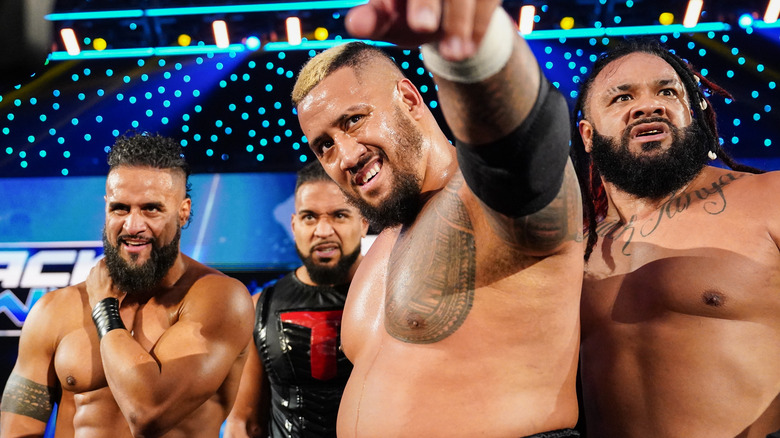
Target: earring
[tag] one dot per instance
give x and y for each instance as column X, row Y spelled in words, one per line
column 712, row 155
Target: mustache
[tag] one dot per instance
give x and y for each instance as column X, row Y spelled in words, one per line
column 122, row 238
column 655, row 119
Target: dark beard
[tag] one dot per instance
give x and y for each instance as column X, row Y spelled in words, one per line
column 403, row 204
column 657, row 177
column 330, row 275
column 400, row 208
column 134, row 279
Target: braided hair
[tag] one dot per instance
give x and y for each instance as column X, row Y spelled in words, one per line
column 594, row 197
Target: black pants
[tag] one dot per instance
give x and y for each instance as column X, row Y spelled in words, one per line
column 560, row 433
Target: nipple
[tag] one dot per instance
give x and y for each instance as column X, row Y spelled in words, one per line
column 713, row 299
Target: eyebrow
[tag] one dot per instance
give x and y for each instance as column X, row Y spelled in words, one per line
column 336, row 122
column 626, row 87
column 306, row 212
column 113, row 205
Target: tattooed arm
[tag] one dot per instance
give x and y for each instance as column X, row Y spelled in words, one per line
column 32, row 389
column 512, row 149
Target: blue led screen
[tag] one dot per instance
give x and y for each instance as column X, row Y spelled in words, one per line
column 241, row 221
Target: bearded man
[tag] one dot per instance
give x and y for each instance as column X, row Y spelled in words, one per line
column 296, row 372
column 680, row 303
column 463, row 318
column 153, row 342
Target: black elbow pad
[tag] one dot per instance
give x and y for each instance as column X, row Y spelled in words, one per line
column 523, row 172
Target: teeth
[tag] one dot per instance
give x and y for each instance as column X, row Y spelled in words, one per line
column 371, row 172
column 653, row 132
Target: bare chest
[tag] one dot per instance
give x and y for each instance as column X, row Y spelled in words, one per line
column 77, row 359
column 700, row 264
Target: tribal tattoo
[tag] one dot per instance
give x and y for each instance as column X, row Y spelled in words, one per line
column 432, row 273
column 25, row 397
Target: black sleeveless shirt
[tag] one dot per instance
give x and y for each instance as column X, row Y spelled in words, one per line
column 298, row 335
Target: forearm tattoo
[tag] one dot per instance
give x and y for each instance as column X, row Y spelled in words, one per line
column 432, row 274
column 25, row 397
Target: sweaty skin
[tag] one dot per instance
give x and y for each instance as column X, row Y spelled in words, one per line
column 680, row 333
column 464, row 322
column 172, row 372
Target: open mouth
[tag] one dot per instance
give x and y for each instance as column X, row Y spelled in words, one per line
column 134, row 244
column 368, row 172
column 325, row 250
column 649, row 132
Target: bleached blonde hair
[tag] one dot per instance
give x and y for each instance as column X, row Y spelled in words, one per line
column 355, row 55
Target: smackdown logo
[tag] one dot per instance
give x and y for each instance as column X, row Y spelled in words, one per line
column 29, row 270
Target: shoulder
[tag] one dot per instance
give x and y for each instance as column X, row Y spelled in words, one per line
column 63, row 302
column 748, row 187
column 54, row 314
column 214, row 292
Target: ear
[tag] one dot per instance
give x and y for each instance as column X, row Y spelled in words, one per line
column 363, row 227
column 586, row 132
column 185, row 208
column 292, row 222
column 411, row 98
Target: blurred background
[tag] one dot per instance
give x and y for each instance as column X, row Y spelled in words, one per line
column 217, row 76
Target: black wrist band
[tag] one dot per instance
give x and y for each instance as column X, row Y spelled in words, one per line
column 106, row 316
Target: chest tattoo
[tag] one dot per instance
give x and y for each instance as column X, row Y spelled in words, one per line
column 713, row 202
column 431, row 274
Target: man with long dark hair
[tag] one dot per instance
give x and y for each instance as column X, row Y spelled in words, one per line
column 680, row 303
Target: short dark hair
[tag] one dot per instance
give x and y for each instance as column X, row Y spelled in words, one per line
column 152, row 150
column 146, row 149
column 311, row 172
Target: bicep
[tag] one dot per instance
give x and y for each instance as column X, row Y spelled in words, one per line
column 32, row 388
column 28, row 399
column 200, row 349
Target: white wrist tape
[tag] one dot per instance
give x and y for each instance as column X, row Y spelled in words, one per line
column 493, row 53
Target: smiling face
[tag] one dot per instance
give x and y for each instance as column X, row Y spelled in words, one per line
column 366, row 136
column 327, row 232
column 145, row 210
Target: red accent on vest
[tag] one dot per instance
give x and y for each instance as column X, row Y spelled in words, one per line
column 325, row 326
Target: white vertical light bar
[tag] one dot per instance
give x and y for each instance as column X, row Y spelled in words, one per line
column 692, row 13
column 221, row 33
column 293, row 30
column 772, row 11
column 526, row 23
column 70, row 41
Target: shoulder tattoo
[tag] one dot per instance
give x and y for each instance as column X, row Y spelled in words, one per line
column 31, row 399
column 432, row 273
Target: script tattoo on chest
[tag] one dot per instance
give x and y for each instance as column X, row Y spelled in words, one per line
column 713, row 201
column 431, row 273
column 25, row 397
